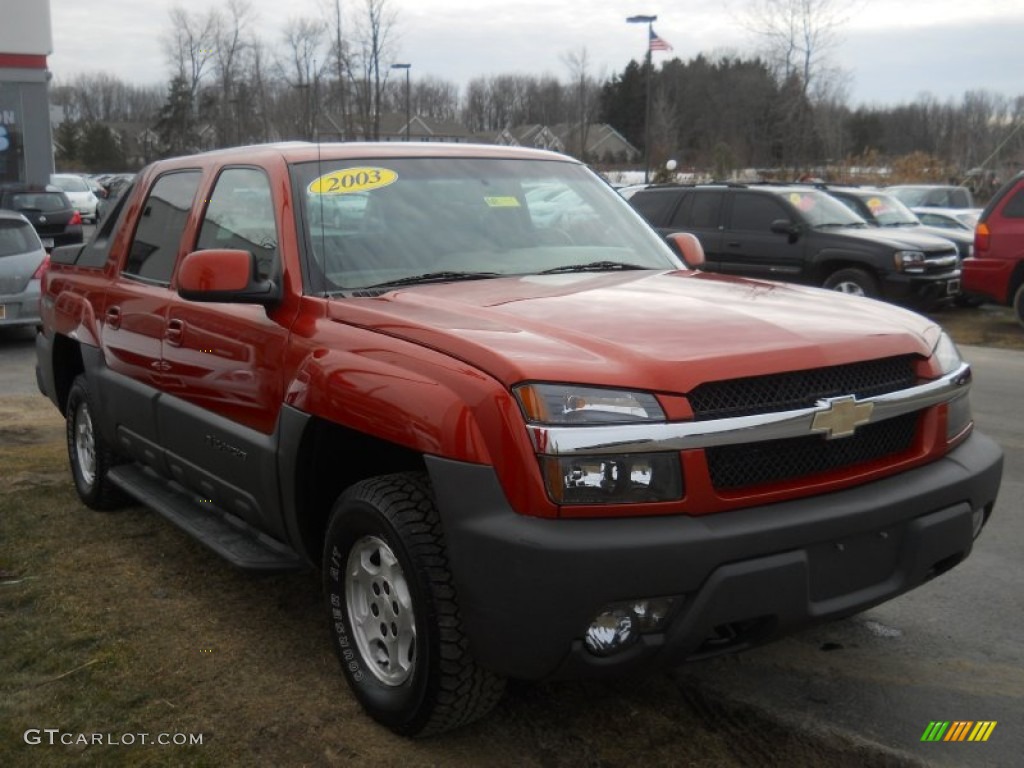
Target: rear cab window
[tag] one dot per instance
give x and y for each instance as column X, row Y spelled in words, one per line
column 157, row 239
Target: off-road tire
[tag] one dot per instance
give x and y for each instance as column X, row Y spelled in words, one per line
column 394, row 519
column 855, row 282
column 90, row 456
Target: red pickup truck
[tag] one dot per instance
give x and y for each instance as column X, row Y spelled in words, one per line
column 519, row 436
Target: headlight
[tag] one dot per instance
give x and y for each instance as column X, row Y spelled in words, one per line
column 619, row 479
column 569, row 404
column 909, row 261
column 946, row 354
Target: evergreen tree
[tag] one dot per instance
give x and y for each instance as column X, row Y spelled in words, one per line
column 100, row 150
column 175, row 123
column 66, row 139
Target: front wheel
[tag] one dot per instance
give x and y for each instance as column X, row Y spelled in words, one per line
column 394, row 613
column 855, row 282
column 90, row 456
column 1018, row 304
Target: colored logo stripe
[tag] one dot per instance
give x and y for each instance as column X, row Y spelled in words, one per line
column 958, row 730
column 982, row 730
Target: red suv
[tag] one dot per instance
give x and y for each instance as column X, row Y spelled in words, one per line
column 997, row 270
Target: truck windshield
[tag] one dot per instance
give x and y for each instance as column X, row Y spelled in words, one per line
column 386, row 222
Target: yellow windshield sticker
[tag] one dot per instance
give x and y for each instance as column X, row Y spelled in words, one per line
column 502, row 202
column 350, row 180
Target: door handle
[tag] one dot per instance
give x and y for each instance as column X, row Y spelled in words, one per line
column 113, row 317
column 175, row 332
column 734, row 243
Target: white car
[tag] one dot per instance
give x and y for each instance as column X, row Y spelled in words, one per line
column 79, row 193
column 964, row 219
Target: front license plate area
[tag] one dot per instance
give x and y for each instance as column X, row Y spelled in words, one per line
column 847, row 565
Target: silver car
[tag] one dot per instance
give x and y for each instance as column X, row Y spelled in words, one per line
column 22, row 263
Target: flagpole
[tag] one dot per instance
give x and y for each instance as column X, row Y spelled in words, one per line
column 649, row 21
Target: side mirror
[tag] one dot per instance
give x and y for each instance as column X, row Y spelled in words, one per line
column 226, row 275
column 786, row 227
column 689, row 248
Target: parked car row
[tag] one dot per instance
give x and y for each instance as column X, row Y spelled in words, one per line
column 872, row 245
column 34, row 220
column 800, row 233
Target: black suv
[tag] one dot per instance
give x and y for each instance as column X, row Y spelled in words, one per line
column 882, row 209
column 802, row 235
column 48, row 209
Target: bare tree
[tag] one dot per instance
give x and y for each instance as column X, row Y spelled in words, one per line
column 231, row 43
column 304, row 38
column 190, row 45
column 340, row 62
column 374, row 31
column 586, row 97
column 799, row 36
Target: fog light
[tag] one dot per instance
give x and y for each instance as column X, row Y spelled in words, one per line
column 609, row 633
column 620, row 624
column 650, row 615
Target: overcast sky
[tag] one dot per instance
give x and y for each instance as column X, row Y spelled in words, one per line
column 893, row 50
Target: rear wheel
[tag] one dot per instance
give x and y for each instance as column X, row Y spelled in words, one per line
column 1018, row 304
column 855, row 282
column 394, row 613
column 90, row 456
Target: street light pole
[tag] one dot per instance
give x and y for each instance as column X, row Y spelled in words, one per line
column 408, row 113
column 649, row 21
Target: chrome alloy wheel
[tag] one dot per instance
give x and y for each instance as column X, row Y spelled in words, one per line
column 851, row 287
column 85, row 444
column 380, row 611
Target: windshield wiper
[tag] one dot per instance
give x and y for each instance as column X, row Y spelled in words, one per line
column 594, row 266
column 854, row 224
column 433, row 277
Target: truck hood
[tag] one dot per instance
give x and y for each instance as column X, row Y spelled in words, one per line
column 664, row 331
column 911, row 238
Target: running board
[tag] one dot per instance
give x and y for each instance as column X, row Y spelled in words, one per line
column 229, row 536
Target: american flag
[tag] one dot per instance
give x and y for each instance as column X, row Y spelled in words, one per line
column 657, row 44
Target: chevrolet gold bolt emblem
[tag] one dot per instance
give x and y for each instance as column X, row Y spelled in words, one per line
column 842, row 418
